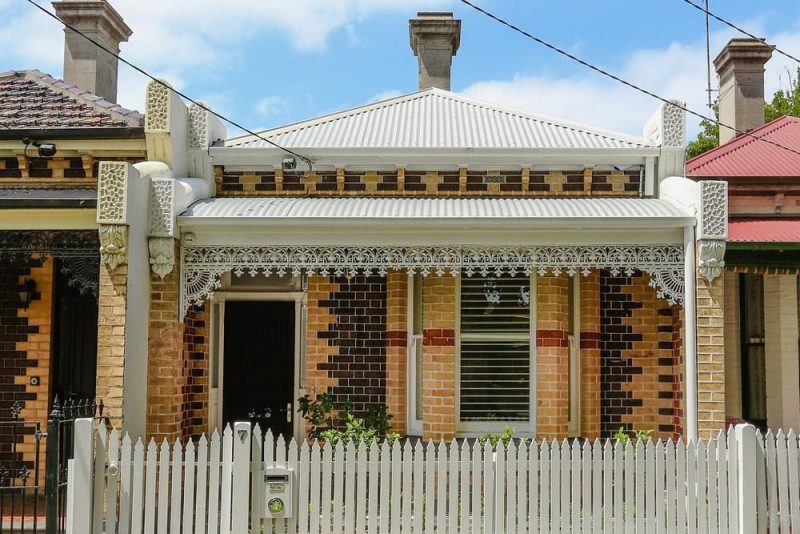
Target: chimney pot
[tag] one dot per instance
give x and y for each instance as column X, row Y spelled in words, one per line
column 435, row 38
column 740, row 67
column 86, row 65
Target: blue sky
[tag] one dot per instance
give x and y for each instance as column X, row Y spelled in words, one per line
column 270, row 62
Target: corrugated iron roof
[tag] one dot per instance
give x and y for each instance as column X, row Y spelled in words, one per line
column 764, row 230
column 746, row 156
column 434, row 118
column 439, row 208
column 33, row 100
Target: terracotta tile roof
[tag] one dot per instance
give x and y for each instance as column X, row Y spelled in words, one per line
column 764, row 230
column 749, row 157
column 33, row 100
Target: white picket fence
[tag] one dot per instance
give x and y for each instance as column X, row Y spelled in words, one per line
column 740, row 482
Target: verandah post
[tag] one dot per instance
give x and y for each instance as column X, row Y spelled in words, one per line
column 747, row 455
column 80, row 478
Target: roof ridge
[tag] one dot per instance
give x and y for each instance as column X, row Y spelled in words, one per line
column 132, row 117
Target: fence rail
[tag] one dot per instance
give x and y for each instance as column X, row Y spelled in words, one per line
column 741, row 481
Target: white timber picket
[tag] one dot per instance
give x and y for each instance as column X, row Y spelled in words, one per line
column 257, row 477
column 137, row 489
column 712, row 453
column 112, row 480
column 680, row 487
column 397, row 474
column 544, row 487
column 80, row 470
column 499, row 489
column 772, row 481
column 597, row 488
column 315, row 486
column 177, row 486
column 303, row 495
column 794, row 483
column 701, row 495
column 268, row 460
column 533, row 487
column 691, row 487
column 477, row 478
column 464, row 496
column 745, row 438
column 125, row 486
column 201, row 478
column 608, row 495
column 452, row 489
column 226, row 483
column 522, row 487
column 669, row 507
column 564, row 487
column 338, row 487
column 511, row 488
column 488, row 488
column 586, row 488
column 441, row 487
column 575, row 486
column 385, row 484
column 214, row 468
column 349, row 486
column 325, row 499
column 162, row 493
column 100, row 458
column 722, row 478
column 555, row 487
column 650, row 487
column 783, row 481
column 189, row 488
column 761, row 483
column 430, row 480
column 640, row 483
column 659, row 519
column 150, row 482
column 407, row 494
column 292, row 463
column 619, row 486
column 630, row 502
column 279, row 461
column 419, row 467
column 373, row 488
column 733, row 482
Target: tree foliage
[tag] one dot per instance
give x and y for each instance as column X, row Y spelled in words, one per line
column 785, row 101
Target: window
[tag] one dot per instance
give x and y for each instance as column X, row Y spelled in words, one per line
column 415, row 354
column 495, row 353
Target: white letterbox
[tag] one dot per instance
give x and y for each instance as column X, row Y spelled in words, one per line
column 278, row 492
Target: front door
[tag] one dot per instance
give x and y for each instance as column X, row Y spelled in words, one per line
column 258, row 368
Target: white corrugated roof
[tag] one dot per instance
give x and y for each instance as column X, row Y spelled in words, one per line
column 434, row 118
column 432, row 208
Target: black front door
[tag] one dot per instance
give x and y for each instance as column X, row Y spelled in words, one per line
column 258, row 372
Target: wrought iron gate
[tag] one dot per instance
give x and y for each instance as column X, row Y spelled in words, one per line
column 20, row 473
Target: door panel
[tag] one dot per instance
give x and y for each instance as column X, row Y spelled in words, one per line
column 258, row 367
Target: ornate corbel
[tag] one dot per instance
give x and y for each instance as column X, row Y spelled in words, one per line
column 162, row 226
column 712, row 228
column 162, row 255
column 114, row 245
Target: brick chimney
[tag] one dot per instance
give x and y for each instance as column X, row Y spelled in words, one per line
column 86, row 65
column 740, row 67
column 435, row 38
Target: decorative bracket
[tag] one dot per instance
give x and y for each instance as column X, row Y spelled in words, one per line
column 114, row 245
column 712, row 228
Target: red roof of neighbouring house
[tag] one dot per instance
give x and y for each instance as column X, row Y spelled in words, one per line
column 764, row 230
column 746, row 156
column 34, row 100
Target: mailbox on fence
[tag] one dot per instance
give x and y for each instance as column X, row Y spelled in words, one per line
column 279, row 492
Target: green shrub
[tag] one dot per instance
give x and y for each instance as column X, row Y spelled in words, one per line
column 340, row 423
column 493, row 438
column 625, row 437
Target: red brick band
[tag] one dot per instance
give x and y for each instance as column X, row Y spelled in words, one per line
column 439, row 337
column 552, row 338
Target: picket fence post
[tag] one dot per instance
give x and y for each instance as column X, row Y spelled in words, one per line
column 747, row 455
column 241, row 477
column 79, row 479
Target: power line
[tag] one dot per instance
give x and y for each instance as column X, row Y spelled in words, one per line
column 177, row 92
column 617, row 78
column 739, row 29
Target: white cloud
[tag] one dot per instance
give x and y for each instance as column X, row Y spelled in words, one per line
column 271, row 106
column 385, row 95
column 677, row 71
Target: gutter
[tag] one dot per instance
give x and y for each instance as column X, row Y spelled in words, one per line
column 97, row 132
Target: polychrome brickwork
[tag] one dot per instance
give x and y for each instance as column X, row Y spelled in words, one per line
column 552, row 356
column 195, row 387
column 397, row 348
column 79, row 171
column 432, row 183
column 640, row 366
column 590, row 354
column 439, row 357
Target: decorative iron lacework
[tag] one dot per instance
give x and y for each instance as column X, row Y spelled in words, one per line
column 79, row 252
column 203, row 266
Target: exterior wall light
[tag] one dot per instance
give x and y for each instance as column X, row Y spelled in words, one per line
column 27, row 292
column 46, row 150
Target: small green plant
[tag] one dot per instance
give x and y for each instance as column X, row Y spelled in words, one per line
column 356, row 431
column 341, row 424
column 625, row 437
column 318, row 412
column 493, row 438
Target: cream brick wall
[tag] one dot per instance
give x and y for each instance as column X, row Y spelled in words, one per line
column 781, row 349
column 111, row 340
column 710, row 357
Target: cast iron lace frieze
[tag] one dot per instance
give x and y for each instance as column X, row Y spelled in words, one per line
column 203, row 266
column 77, row 250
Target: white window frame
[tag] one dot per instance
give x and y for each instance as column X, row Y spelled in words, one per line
column 574, row 423
column 413, row 419
column 476, row 428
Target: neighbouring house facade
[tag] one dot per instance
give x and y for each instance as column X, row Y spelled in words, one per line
column 762, row 260
column 469, row 267
column 53, row 134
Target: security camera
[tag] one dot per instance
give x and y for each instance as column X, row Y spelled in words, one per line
column 289, row 163
column 46, row 150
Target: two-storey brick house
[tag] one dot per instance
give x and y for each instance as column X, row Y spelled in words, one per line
column 468, row 266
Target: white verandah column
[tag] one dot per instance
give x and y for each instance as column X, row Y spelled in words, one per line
column 690, row 333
